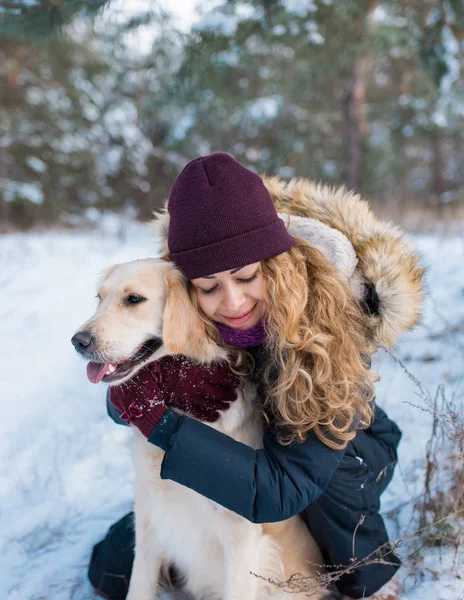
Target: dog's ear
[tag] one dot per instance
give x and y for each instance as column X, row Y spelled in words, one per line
column 183, row 330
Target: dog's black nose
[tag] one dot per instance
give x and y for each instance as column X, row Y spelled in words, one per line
column 82, row 341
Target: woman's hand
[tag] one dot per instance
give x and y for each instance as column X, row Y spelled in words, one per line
column 174, row 381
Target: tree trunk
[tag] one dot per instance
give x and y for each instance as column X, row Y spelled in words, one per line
column 355, row 125
column 439, row 183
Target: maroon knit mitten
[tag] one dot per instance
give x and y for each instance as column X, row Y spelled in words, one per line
column 200, row 391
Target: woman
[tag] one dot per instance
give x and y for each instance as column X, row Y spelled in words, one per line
column 328, row 450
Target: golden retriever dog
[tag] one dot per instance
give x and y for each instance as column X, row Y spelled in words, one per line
column 217, row 552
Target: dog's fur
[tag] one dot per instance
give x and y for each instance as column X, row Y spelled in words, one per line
column 216, row 550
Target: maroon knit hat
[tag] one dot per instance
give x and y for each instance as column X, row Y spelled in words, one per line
column 222, row 217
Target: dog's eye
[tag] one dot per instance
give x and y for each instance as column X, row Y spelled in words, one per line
column 134, row 299
column 98, row 297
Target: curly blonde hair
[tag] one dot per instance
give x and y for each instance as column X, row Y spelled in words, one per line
column 317, row 376
column 318, row 348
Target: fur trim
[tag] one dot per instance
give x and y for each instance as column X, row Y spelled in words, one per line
column 335, row 246
column 159, row 227
column 385, row 258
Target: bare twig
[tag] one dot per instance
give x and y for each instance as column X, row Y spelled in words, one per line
column 360, row 522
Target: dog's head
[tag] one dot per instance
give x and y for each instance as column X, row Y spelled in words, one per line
column 144, row 312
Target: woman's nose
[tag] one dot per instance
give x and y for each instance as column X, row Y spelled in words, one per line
column 234, row 299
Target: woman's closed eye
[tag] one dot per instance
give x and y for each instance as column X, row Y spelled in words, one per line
column 248, row 279
column 241, row 280
column 210, row 291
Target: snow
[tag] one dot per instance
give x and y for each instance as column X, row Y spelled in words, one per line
column 264, row 109
column 219, row 22
column 184, row 123
column 18, row 189
column 452, row 54
column 279, row 30
column 314, row 36
column 122, row 121
column 301, row 8
column 383, row 16
column 36, row 164
column 224, row 23
column 65, row 469
column 10, row 9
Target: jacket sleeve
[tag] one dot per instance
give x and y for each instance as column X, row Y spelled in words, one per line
column 263, row 486
column 113, row 412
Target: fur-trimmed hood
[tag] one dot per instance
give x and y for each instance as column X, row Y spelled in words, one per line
column 386, row 259
column 372, row 256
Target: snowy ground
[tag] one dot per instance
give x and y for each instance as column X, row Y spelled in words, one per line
column 65, row 472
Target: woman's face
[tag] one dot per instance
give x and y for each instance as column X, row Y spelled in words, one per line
column 234, row 298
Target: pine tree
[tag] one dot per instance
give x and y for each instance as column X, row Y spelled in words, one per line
column 335, row 91
column 82, row 129
column 40, row 19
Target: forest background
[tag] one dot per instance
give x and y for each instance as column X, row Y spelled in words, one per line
column 103, row 102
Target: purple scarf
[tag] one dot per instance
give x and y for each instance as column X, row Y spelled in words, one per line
column 242, row 339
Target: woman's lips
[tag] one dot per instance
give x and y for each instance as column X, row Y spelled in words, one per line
column 242, row 319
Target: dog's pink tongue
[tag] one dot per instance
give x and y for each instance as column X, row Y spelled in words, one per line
column 96, row 371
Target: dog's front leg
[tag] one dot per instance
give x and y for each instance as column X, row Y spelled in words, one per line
column 242, row 558
column 148, row 558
